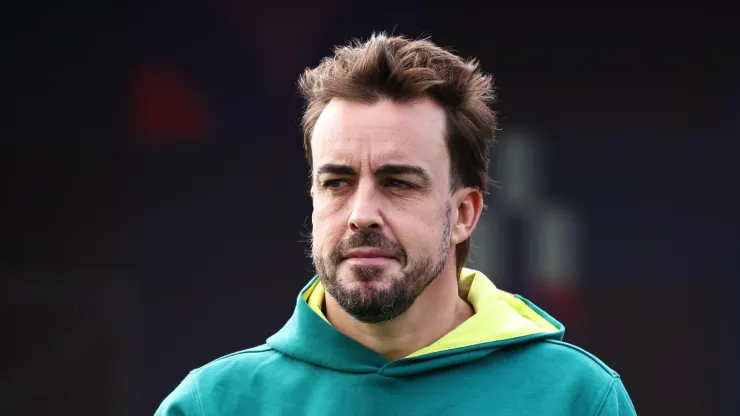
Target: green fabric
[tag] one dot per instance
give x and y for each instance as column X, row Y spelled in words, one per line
column 309, row 368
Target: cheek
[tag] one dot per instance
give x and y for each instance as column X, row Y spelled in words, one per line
column 421, row 236
column 328, row 227
column 419, row 229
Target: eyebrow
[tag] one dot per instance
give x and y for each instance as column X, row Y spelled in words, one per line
column 332, row 168
column 383, row 170
column 403, row 169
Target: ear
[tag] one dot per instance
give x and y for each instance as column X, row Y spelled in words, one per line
column 469, row 205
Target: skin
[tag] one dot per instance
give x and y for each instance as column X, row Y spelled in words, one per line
column 383, row 171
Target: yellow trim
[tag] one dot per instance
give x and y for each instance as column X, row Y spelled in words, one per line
column 314, row 296
column 498, row 315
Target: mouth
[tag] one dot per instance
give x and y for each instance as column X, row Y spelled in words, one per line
column 369, row 256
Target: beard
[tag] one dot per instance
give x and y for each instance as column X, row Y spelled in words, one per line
column 381, row 303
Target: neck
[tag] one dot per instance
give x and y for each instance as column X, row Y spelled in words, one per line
column 437, row 311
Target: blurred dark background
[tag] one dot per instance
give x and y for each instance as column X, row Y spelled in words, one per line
column 157, row 186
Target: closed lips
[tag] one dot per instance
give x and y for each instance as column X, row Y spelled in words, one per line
column 368, row 253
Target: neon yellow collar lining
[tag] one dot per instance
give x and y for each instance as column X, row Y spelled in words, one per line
column 498, row 315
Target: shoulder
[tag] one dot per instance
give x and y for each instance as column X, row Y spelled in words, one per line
column 235, row 362
column 565, row 373
column 210, row 386
column 579, row 357
column 583, row 372
column 561, row 361
column 586, row 373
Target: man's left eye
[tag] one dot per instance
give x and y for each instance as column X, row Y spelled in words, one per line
column 398, row 184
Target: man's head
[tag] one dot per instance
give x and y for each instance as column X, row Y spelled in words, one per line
column 396, row 134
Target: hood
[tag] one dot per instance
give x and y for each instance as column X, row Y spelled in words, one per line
column 501, row 319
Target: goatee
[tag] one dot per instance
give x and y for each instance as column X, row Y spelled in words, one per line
column 372, row 304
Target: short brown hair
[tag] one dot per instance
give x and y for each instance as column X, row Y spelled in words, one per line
column 405, row 70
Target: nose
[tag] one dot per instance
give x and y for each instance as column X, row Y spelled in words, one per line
column 366, row 212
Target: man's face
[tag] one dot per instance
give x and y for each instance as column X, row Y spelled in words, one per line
column 381, row 204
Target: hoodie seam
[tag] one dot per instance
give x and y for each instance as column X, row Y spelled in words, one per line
column 255, row 350
column 195, row 395
column 607, row 393
column 595, row 360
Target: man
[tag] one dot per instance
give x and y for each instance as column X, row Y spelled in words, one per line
column 396, row 134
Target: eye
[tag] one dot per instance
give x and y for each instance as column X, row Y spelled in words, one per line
column 335, row 183
column 398, row 184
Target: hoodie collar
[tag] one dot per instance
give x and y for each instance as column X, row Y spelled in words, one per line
column 500, row 319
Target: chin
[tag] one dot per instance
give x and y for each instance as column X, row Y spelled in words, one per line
column 366, row 291
column 375, row 275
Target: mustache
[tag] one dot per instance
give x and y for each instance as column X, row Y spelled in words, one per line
column 368, row 239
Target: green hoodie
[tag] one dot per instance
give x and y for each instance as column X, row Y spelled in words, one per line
column 507, row 359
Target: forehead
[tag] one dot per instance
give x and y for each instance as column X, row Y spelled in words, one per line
column 383, row 132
